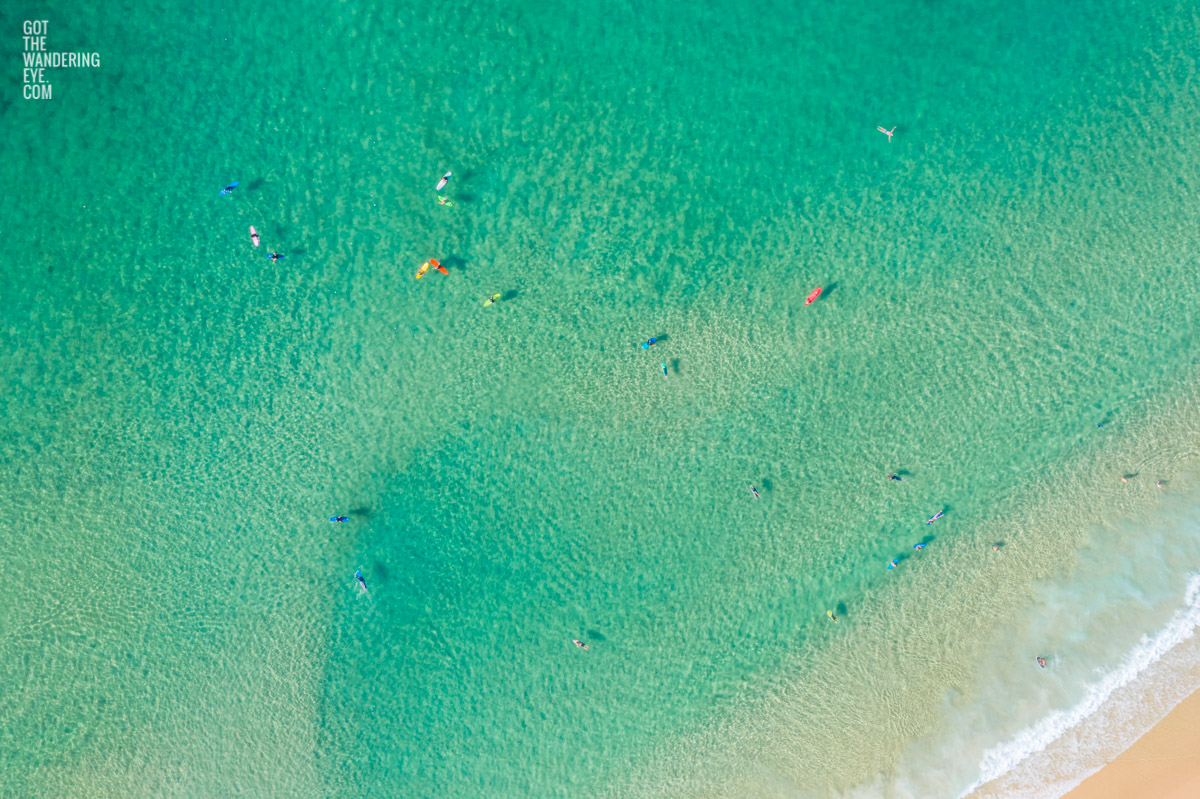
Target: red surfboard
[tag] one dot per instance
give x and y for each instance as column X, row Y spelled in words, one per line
column 812, row 297
column 439, row 267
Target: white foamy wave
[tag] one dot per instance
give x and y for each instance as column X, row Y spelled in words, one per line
column 1001, row 759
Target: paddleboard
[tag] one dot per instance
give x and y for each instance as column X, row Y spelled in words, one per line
column 442, row 183
column 812, row 297
column 254, row 235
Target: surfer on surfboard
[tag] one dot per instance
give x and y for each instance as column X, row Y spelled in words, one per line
column 274, row 256
column 812, row 297
column 442, row 183
column 434, row 263
column 754, row 491
column 254, row 235
column 492, row 300
column 936, row 516
column 229, row 189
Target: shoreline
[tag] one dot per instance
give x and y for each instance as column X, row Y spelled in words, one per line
column 1164, row 762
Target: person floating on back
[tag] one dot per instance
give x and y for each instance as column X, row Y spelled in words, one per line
column 886, row 132
column 229, row 189
column 579, row 644
column 339, row 519
column 274, row 256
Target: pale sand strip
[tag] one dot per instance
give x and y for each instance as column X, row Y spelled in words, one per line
column 1163, row 764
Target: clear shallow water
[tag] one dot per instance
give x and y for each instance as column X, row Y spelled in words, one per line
column 181, row 416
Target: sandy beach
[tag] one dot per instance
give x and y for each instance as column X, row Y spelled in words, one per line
column 1164, row 763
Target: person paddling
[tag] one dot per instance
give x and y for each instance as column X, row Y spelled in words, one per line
column 580, row 644
column 754, row 491
column 274, row 256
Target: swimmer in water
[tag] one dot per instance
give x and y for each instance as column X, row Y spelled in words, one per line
column 832, row 618
column 580, row 644
column 229, row 189
column 1160, row 485
column 935, row 517
column 754, row 491
column 892, row 564
column 339, row 518
column 1041, row 662
column 274, row 256
column 648, row 343
column 897, row 478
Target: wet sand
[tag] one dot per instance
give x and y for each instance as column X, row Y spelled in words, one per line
column 1164, row 763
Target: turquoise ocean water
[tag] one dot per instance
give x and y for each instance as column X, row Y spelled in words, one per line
column 181, row 416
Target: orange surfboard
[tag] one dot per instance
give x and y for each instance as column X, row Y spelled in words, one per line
column 439, row 267
column 812, row 297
